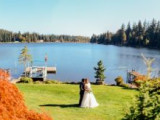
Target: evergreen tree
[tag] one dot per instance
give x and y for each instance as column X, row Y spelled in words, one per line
column 151, row 33
column 128, row 33
column 147, row 103
column 93, row 39
column 8, row 36
column 122, row 35
column 108, row 37
column 100, row 72
column 140, row 34
column 157, row 35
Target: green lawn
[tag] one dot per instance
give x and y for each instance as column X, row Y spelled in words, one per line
column 60, row 100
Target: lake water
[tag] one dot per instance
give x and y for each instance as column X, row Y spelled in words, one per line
column 75, row 61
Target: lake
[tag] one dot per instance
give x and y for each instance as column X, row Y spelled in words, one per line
column 75, row 61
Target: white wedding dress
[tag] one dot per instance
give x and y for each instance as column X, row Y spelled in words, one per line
column 88, row 100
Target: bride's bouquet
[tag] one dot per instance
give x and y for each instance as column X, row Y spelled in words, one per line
column 89, row 90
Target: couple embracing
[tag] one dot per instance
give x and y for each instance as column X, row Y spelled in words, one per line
column 87, row 99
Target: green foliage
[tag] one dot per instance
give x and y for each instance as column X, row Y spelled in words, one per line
column 124, row 85
column 139, row 35
column 147, row 103
column 26, row 80
column 48, row 82
column 38, row 82
column 8, row 36
column 122, row 34
column 100, row 71
column 22, row 39
column 52, row 82
column 119, row 80
column 139, row 82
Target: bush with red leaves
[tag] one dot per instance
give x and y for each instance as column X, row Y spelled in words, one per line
column 12, row 105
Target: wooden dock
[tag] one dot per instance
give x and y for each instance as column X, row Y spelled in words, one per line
column 49, row 69
column 39, row 72
column 133, row 75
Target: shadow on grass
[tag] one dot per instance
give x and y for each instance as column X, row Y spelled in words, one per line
column 135, row 89
column 60, row 105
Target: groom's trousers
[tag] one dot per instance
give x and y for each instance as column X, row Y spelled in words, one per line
column 81, row 97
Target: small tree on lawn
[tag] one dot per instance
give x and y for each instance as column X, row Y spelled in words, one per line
column 25, row 58
column 100, row 72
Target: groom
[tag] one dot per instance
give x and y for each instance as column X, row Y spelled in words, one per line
column 81, row 86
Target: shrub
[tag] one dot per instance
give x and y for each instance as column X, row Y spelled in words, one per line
column 147, row 103
column 26, row 80
column 12, row 105
column 124, row 85
column 38, row 82
column 52, row 82
column 140, row 80
column 119, row 80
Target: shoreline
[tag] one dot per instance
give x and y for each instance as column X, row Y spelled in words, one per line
column 136, row 47
column 37, row 42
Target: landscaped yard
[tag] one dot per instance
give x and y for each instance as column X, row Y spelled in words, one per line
column 60, row 101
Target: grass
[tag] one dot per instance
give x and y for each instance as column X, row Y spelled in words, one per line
column 60, row 101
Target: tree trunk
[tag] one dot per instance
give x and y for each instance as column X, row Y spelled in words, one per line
column 25, row 69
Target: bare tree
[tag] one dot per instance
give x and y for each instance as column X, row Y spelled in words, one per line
column 148, row 62
column 25, row 58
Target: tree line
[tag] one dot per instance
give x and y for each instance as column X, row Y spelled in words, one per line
column 8, row 36
column 141, row 34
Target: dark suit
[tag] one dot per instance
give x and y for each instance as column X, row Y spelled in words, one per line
column 81, row 86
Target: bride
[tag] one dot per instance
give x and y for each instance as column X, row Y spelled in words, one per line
column 88, row 100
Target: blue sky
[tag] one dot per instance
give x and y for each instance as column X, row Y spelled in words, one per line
column 74, row 17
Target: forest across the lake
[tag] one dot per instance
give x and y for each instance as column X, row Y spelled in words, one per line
column 141, row 34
